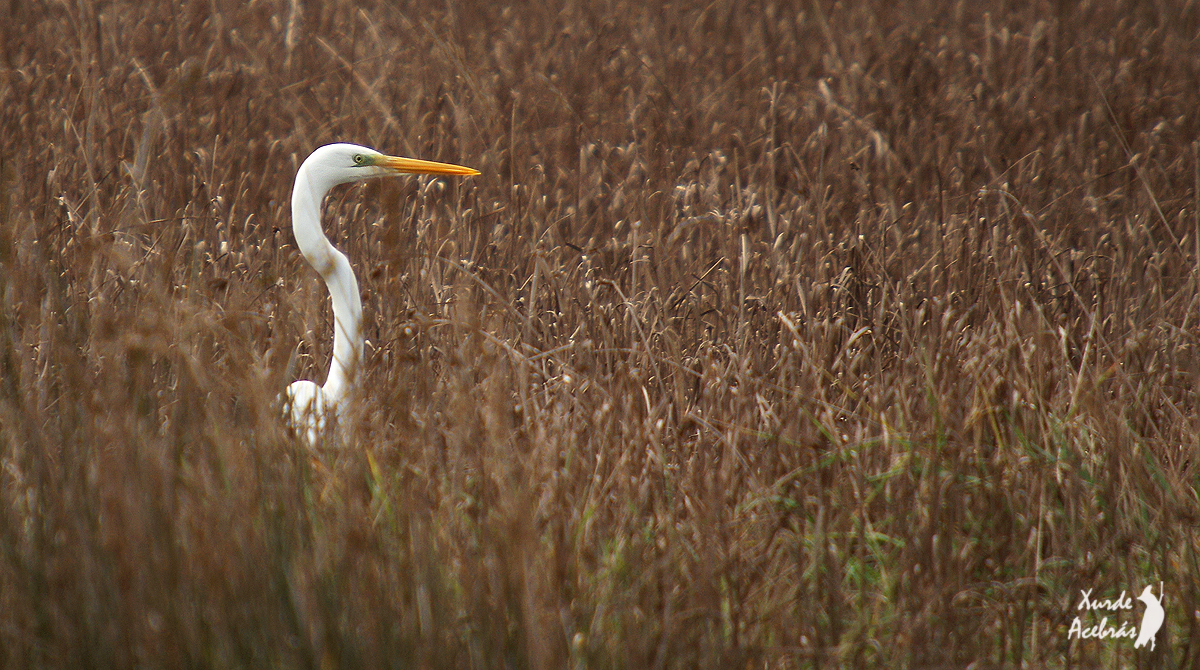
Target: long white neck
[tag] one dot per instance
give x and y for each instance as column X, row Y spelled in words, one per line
column 334, row 268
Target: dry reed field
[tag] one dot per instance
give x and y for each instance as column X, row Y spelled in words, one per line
column 773, row 335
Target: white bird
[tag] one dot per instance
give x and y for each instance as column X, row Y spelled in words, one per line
column 1152, row 619
column 309, row 405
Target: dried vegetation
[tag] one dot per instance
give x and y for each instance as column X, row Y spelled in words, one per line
column 774, row 335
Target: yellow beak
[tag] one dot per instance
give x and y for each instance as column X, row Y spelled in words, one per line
column 418, row 166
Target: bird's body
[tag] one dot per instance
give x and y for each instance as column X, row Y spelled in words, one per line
column 309, row 405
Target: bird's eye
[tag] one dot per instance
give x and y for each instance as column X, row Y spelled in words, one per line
column 359, row 159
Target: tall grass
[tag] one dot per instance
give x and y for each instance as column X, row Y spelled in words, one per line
column 773, row 335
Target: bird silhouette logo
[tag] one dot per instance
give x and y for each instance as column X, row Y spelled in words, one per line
column 1152, row 619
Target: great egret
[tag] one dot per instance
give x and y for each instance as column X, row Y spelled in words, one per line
column 325, row 168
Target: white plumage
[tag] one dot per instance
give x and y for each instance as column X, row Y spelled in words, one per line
column 309, row 406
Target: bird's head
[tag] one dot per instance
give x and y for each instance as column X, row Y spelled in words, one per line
column 343, row 163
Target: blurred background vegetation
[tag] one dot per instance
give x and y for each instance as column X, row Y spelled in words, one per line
column 773, row 335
